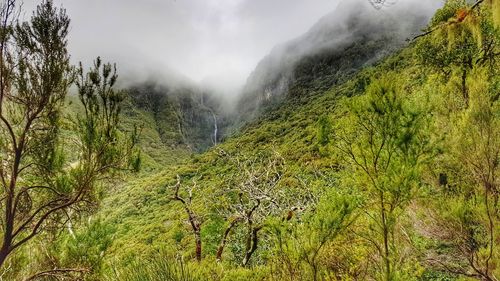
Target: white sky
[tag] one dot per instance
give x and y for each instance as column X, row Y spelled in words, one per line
column 213, row 41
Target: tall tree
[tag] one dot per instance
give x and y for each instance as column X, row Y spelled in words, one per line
column 466, row 216
column 384, row 142
column 45, row 178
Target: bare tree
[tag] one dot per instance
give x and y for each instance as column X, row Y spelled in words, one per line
column 194, row 220
column 255, row 197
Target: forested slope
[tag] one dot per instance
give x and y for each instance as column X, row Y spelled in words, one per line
column 390, row 173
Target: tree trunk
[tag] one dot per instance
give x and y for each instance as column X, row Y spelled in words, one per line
column 491, row 227
column 4, row 252
column 196, row 226
column 385, row 234
column 465, row 91
column 197, row 235
column 9, row 227
column 252, row 246
column 223, row 242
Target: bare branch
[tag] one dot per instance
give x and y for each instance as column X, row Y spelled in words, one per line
column 58, row 272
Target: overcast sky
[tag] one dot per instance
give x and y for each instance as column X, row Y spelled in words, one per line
column 204, row 40
column 216, row 42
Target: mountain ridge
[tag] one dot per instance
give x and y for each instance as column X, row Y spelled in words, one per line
column 364, row 35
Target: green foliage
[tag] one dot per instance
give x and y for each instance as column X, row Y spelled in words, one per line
column 157, row 270
column 86, row 248
column 462, row 37
column 386, row 141
column 304, row 242
column 391, row 174
column 472, row 163
column 447, row 12
column 324, row 130
column 52, row 166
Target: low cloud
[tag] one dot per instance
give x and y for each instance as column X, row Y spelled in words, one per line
column 213, row 43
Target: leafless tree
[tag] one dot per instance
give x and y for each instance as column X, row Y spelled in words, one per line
column 195, row 221
column 255, row 197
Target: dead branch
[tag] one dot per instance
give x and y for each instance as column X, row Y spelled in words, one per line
column 58, row 272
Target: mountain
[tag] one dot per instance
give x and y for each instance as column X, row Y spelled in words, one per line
column 305, row 80
column 184, row 116
column 351, row 37
column 331, row 52
column 362, row 157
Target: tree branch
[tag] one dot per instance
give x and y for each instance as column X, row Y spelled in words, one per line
column 57, row 272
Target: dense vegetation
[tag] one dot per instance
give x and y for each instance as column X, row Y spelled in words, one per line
column 391, row 174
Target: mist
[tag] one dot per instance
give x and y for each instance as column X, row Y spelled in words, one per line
column 213, row 43
column 209, row 42
column 357, row 30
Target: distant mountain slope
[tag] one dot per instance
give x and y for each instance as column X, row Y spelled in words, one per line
column 330, row 52
column 187, row 117
column 334, row 65
column 146, row 219
column 183, row 116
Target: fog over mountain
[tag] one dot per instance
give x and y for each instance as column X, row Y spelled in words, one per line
column 214, row 43
column 354, row 35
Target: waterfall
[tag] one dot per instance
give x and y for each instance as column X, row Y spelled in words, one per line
column 215, row 127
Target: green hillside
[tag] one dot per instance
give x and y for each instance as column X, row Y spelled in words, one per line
column 376, row 163
column 307, row 133
column 183, row 116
